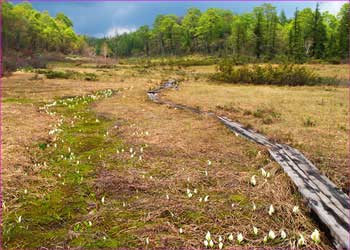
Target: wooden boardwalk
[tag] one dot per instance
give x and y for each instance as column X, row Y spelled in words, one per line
column 330, row 204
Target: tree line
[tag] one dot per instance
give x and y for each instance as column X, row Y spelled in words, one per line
column 28, row 31
column 263, row 34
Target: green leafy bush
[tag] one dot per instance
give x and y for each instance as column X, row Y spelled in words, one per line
column 286, row 74
column 69, row 74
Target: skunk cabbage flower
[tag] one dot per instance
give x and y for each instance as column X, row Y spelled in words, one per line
column 240, row 238
column 221, row 245
column 253, row 180
column 315, row 236
column 230, row 237
column 301, row 240
column 206, row 243
column 265, row 239
column 272, row 235
column 295, row 209
column 283, row 234
column 208, row 236
column 271, row 210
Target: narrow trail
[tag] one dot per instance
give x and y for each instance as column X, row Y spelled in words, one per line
column 329, row 203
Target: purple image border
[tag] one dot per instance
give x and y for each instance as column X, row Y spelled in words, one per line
column 180, row 1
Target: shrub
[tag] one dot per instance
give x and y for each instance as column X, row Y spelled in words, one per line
column 286, row 74
column 69, row 74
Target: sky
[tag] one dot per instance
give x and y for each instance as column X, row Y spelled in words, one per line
column 107, row 18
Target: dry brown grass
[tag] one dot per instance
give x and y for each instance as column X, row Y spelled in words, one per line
column 176, row 147
column 314, row 119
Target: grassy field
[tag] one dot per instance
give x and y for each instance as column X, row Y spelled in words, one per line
column 85, row 166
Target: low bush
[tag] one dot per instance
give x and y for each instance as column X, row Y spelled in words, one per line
column 286, row 74
column 69, row 74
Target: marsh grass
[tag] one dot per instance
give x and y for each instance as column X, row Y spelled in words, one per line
column 176, row 149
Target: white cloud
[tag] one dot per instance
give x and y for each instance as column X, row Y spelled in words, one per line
column 332, row 7
column 124, row 11
column 119, row 31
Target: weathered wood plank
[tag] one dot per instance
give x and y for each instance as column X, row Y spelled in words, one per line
column 336, row 221
column 249, row 134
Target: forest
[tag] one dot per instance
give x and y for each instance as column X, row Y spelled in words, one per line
column 29, row 35
column 262, row 34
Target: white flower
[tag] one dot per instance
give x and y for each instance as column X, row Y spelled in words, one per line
column 220, row 238
column 263, row 172
column 230, row 237
column 195, row 191
column 209, row 162
column 301, row 240
column 131, row 150
column 211, row 243
column 188, row 179
column 200, row 199
column 90, row 223
column 188, row 191
column 189, row 195
column 206, row 173
column 239, row 238
column 315, row 236
column 147, row 241
column 253, row 180
column 255, row 230
column 25, row 191
column 283, row 234
column 272, row 235
column 181, row 230
column 221, row 245
column 268, row 175
column 19, row 219
column 103, row 200
column 265, row 239
column 208, row 236
column 167, row 197
column 206, row 243
column 295, row 209
column 254, row 206
column 59, row 175
column 271, row 210
column 206, row 198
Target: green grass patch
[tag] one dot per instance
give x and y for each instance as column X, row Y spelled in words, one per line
column 63, row 212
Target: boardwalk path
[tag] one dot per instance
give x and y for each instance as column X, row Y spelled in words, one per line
column 328, row 202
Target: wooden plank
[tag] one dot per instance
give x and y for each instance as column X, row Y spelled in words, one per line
column 337, row 223
column 249, row 134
